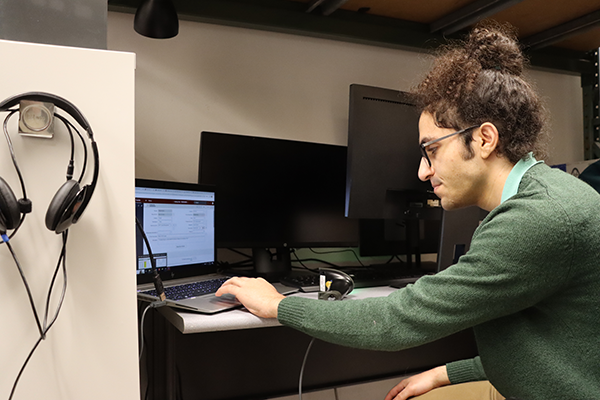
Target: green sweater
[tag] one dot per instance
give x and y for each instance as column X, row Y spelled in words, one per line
column 529, row 286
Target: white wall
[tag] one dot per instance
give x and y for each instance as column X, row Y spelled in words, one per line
column 253, row 82
column 91, row 350
column 563, row 97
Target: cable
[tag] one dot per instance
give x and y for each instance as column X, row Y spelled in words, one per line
column 85, row 149
column 71, row 165
column 154, row 304
column 314, row 259
column 12, row 392
column 146, row 309
column 302, row 368
column 239, row 252
column 25, row 208
column 17, row 227
column 46, row 327
column 12, row 152
column 340, row 251
column 399, row 259
column 27, row 288
column 179, row 387
column 24, row 203
column 239, row 264
column 158, row 285
column 301, row 261
column 63, row 258
column 68, row 126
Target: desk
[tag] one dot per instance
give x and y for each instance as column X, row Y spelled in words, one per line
column 223, row 356
column 187, row 322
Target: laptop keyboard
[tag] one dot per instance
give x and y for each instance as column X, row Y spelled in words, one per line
column 189, row 290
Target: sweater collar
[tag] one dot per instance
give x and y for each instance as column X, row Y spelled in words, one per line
column 511, row 186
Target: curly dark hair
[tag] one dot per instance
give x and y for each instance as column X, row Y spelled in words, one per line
column 481, row 80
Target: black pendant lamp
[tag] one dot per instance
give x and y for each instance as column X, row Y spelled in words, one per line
column 156, row 19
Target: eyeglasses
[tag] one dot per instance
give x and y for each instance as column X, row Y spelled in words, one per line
column 426, row 144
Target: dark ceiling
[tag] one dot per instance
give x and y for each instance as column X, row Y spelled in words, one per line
column 556, row 34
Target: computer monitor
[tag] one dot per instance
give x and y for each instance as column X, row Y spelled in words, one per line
column 457, row 229
column 179, row 222
column 399, row 214
column 276, row 194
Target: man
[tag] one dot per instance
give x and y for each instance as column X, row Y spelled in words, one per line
column 530, row 283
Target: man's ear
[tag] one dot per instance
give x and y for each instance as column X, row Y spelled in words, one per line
column 487, row 139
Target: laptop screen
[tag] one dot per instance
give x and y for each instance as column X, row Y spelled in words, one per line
column 179, row 222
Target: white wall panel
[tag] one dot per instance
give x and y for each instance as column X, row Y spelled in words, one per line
column 91, row 351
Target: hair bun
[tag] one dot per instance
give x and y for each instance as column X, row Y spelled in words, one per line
column 495, row 47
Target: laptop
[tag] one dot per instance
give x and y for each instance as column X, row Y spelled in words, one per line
column 178, row 220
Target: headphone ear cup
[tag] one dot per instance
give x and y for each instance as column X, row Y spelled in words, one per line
column 61, row 209
column 9, row 207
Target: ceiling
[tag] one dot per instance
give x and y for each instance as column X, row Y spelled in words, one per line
column 556, row 34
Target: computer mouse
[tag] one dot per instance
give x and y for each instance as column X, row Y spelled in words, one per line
column 334, row 284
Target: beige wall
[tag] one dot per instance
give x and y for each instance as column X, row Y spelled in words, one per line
column 253, row 82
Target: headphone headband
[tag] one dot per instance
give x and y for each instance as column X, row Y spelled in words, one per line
column 70, row 201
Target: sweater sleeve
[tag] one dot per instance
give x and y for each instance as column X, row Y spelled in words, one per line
column 505, row 271
column 466, row 371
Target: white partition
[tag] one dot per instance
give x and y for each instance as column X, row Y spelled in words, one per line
column 91, row 351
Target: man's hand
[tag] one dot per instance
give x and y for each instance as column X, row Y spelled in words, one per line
column 257, row 295
column 419, row 384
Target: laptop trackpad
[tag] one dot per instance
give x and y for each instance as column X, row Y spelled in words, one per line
column 211, row 303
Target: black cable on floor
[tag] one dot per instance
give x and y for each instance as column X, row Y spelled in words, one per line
column 302, row 369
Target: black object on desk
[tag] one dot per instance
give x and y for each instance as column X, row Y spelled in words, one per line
column 363, row 278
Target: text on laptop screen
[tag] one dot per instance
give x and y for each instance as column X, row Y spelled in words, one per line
column 179, row 225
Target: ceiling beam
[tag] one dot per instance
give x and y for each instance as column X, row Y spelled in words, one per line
column 562, row 32
column 291, row 17
column 469, row 15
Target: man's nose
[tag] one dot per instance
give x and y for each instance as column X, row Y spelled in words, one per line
column 425, row 171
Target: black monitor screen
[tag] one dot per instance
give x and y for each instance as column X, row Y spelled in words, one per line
column 383, row 151
column 277, row 193
column 399, row 213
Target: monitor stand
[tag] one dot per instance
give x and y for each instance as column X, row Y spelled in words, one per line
column 269, row 267
column 413, row 233
column 409, row 232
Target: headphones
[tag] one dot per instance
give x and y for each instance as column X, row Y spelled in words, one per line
column 70, row 200
column 334, row 284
